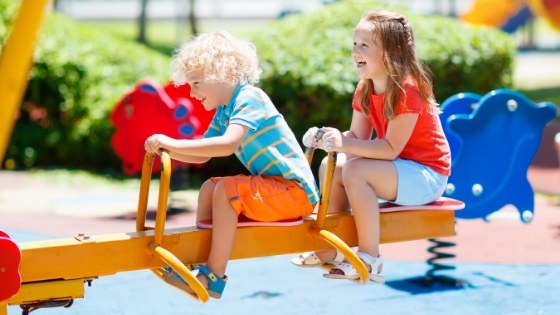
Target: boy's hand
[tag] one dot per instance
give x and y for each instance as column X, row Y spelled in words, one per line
column 156, row 142
column 312, row 138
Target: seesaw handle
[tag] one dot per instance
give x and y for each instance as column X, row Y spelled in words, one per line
column 165, row 179
column 144, row 191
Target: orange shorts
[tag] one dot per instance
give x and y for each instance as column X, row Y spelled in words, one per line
column 266, row 199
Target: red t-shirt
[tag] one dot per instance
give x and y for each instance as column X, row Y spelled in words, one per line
column 427, row 144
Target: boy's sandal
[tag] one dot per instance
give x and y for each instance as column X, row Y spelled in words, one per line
column 310, row 259
column 216, row 285
column 174, row 279
column 350, row 272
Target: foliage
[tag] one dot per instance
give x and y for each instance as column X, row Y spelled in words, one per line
column 308, row 71
column 81, row 72
column 7, row 10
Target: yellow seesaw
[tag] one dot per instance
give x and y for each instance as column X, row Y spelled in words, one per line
column 54, row 272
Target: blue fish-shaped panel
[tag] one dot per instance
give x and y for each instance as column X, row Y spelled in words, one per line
column 493, row 140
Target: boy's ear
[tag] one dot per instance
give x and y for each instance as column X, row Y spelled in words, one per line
column 229, row 73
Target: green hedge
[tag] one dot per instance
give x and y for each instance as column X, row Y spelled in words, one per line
column 78, row 75
column 308, row 70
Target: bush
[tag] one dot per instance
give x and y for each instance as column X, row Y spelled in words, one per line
column 308, row 71
column 78, row 75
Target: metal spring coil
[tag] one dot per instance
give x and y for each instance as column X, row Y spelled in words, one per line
column 438, row 255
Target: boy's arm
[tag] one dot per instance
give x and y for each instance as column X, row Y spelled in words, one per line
column 199, row 150
column 188, row 158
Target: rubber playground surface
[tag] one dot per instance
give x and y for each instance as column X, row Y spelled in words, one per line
column 506, row 267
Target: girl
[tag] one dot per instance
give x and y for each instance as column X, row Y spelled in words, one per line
column 408, row 163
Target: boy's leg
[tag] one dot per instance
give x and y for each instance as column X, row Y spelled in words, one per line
column 205, row 195
column 224, row 219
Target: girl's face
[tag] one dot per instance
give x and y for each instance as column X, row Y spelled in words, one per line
column 367, row 53
column 210, row 94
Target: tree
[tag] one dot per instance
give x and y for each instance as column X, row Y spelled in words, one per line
column 142, row 21
column 192, row 18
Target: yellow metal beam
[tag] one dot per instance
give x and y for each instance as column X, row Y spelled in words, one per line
column 15, row 61
column 103, row 255
column 48, row 291
column 56, row 269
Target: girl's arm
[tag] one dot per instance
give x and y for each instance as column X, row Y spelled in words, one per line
column 199, row 150
column 360, row 128
column 399, row 131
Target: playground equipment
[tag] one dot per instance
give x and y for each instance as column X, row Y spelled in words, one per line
column 48, row 279
column 509, row 15
column 148, row 109
column 493, row 139
column 16, row 59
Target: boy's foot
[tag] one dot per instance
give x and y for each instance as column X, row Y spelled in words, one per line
column 214, row 284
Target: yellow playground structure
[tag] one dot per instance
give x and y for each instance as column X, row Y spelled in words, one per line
column 54, row 272
column 497, row 12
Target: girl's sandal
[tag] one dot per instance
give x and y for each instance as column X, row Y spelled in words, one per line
column 310, row 259
column 216, row 285
column 349, row 272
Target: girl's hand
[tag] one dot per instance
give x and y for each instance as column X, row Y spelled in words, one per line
column 156, row 142
column 332, row 140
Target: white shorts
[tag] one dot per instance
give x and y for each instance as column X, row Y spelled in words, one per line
column 418, row 184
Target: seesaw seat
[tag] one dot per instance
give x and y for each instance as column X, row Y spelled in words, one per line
column 247, row 222
column 443, row 204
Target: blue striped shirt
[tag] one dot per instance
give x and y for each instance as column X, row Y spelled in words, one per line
column 270, row 147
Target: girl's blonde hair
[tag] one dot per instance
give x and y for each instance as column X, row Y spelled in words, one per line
column 393, row 32
column 222, row 58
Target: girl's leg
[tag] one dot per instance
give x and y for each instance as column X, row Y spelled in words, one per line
column 205, row 195
column 224, row 219
column 365, row 180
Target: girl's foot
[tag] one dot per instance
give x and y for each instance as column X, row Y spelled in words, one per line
column 346, row 270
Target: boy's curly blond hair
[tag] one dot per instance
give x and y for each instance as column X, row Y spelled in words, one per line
column 222, row 58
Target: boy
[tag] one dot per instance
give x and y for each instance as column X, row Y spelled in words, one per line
column 221, row 71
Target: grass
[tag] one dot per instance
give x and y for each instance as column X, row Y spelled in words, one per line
column 551, row 94
column 75, row 177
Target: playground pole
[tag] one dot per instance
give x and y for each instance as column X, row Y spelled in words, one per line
column 15, row 61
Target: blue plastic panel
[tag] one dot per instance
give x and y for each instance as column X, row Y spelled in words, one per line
column 493, row 140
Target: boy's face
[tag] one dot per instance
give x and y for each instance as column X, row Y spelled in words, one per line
column 210, row 94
